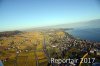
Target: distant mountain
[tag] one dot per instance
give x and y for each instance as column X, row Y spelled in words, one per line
column 81, row 25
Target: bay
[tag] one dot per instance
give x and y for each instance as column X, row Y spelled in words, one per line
column 86, row 34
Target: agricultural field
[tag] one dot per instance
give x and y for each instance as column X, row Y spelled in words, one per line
column 36, row 48
column 25, row 48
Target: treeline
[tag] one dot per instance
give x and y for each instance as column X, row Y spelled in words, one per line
column 9, row 33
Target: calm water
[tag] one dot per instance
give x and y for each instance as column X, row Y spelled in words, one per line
column 1, row 64
column 87, row 34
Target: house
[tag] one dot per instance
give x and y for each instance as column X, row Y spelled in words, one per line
column 93, row 50
column 98, row 52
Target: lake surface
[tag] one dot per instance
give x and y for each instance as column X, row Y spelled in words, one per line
column 86, row 34
column 1, row 64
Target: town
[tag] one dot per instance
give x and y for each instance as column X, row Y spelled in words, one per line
column 36, row 48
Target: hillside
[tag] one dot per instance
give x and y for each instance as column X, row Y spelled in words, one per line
column 9, row 33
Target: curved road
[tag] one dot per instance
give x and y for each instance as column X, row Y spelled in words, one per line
column 83, row 58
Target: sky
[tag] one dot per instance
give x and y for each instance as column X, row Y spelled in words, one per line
column 22, row 14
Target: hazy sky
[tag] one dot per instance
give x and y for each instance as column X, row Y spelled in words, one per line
column 18, row 14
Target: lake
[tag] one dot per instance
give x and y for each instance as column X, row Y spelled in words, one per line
column 86, row 34
column 1, row 64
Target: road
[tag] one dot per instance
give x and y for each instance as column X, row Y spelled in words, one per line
column 85, row 55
